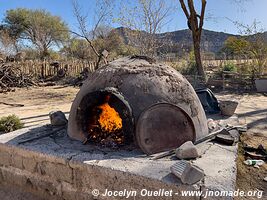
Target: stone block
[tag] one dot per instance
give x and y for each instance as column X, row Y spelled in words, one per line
column 44, row 185
column 188, row 173
column 56, row 171
column 5, row 158
column 187, row 151
column 17, row 161
column 57, row 118
column 29, row 164
column 13, row 175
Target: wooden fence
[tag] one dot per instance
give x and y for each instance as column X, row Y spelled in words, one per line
column 218, row 63
column 45, row 69
column 226, row 81
column 232, row 81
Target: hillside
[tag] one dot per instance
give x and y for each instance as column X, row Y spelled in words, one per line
column 212, row 41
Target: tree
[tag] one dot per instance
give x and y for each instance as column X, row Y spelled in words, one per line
column 8, row 44
column 234, row 46
column 77, row 48
column 112, row 42
column 103, row 13
column 145, row 20
column 195, row 23
column 257, row 45
column 39, row 27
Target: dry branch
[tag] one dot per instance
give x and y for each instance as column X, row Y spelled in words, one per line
column 11, row 76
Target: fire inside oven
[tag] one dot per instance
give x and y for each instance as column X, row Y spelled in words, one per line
column 105, row 125
column 105, row 119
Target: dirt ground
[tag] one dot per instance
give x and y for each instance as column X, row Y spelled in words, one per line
column 252, row 110
column 38, row 102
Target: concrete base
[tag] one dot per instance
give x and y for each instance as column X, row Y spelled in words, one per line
column 56, row 167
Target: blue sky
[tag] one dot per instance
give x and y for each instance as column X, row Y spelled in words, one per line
column 219, row 10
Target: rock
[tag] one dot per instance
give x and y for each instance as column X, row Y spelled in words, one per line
column 188, row 173
column 187, row 151
column 212, row 125
column 265, row 179
column 225, row 139
column 228, row 107
column 57, row 118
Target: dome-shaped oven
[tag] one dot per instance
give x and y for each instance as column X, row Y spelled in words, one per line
column 135, row 99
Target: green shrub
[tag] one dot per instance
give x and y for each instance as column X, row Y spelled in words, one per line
column 178, row 65
column 10, row 123
column 191, row 66
column 191, row 69
column 230, row 67
column 246, row 68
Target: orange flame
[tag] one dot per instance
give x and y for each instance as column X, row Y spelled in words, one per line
column 109, row 119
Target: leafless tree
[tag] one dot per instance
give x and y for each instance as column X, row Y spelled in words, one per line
column 195, row 23
column 145, row 20
column 103, row 13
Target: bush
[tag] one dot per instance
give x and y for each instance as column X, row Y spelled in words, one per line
column 230, row 67
column 178, row 65
column 191, row 66
column 10, row 123
column 246, row 68
column 191, row 69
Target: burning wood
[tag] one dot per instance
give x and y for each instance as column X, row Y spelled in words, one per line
column 109, row 119
column 105, row 126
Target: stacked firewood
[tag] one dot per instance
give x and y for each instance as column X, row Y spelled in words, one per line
column 11, row 76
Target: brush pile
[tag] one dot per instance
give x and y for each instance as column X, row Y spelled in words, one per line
column 11, row 76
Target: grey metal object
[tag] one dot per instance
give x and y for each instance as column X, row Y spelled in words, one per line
column 141, row 83
column 225, row 139
column 261, row 85
column 162, row 127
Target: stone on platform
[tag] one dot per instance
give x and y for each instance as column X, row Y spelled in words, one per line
column 187, row 151
column 57, row 118
column 188, row 173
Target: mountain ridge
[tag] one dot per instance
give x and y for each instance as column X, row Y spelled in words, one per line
column 211, row 41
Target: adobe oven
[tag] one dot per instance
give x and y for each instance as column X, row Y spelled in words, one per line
column 134, row 100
